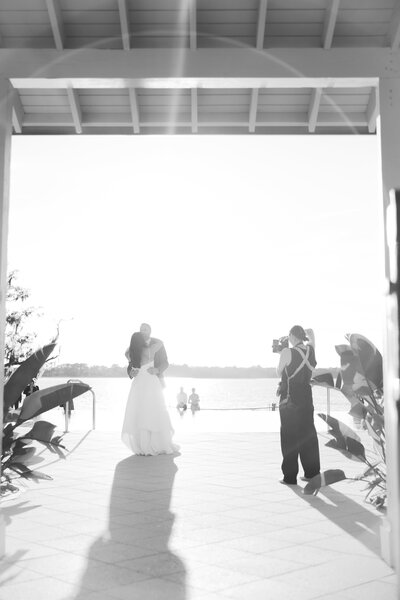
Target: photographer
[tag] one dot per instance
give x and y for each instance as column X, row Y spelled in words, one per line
column 296, row 409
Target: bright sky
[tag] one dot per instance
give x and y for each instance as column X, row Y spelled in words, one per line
column 220, row 243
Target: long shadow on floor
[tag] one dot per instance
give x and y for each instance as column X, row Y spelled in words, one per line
column 134, row 555
column 347, row 514
column 11, row 560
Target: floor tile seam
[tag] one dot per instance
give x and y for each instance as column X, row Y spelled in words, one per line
column 310, row 567
column 35, row 575
column 186, row 588
column 353, row 587
column 218, row 590
column 143, row 574
column 297, row 565
column 42, row 541
column 353, row 552
column 289, row 545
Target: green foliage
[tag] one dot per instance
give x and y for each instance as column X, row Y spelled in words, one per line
column 20, row 337
column 19, row 448
column 361, row 382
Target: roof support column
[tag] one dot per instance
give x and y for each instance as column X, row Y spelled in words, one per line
column 6, row 96
column 389, row 131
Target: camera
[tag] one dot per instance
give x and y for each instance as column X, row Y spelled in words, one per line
column 279, row 344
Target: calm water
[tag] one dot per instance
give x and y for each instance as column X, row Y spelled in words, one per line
column 226, row 404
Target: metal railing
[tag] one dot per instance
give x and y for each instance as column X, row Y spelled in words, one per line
column 68, row 409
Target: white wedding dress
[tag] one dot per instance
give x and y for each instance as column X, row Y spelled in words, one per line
column 147, row 427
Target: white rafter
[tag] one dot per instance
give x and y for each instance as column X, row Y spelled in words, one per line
column 193, row 24
column 206, row 68
column 133, row 101
column 76, row 112
column 195, row 109
column 330, row 23
column 262, row 15
column 313, row 109
column 18, row 112
column 372, row 110
column 394, row 28
column 124, row 20
column 57, row 26
column 193, row 46
column 253, row 110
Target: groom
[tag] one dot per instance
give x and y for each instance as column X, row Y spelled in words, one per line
column 160, row 357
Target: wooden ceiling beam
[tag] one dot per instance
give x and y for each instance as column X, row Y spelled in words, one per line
column 253, row 110
column 134, row 105
column 262, row 16
column 313, row 109
column 56, row 22
column 204, row 67
column 73, row 98
column 373, row 110
column 18, row 112
column 194, row 110
column 193, row 24
column 124, row 22
column 394, row 28
column 330, row 23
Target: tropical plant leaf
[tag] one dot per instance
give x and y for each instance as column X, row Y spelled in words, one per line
column 372, row 485
column 19, row 467
column 357, row 409
column 370, row 359
column 371, row 430
column 323, row 380
column 339, row 382
column 323, row 479
column 25, row 453
column 57, row 439
column 343, row 449
column 338, row 429
column 378, row 500
column 28, row 473
column 40, row 475
column 361, row 389
column 368, row 471
column 24, row 374
column 379, row 450
column 355, row 448
column 373, row 406
column 8, row 438
column 48, row 398
column 41, row 431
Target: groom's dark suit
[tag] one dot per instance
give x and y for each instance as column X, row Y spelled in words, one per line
column 160, row 358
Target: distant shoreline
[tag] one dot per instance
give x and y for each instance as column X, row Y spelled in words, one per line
column 78, row 370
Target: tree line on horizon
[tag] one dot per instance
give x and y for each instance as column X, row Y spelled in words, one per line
column 84, row 370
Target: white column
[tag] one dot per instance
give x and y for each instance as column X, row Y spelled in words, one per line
column 5, row 155
column 389, row 130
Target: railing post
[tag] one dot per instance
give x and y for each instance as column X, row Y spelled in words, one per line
column 93, row 410
column 66, row 416
column 328, row 404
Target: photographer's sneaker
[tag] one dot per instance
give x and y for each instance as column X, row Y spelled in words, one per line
column 287, row 482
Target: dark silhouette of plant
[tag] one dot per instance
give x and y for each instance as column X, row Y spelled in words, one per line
column 361, row 382
column 17, row 448
column 20, row 337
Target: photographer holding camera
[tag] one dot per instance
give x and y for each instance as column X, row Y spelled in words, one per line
column 296, row 409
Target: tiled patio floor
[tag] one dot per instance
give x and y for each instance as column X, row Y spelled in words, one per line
column 211, row 523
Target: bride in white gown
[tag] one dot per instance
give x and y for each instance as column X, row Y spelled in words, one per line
column 147, row 426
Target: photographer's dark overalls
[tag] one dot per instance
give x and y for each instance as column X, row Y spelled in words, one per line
column 298, row 434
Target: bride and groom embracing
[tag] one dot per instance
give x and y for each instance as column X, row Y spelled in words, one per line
column 147, row 426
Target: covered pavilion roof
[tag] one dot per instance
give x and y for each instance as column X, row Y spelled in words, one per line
column 196, row 66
